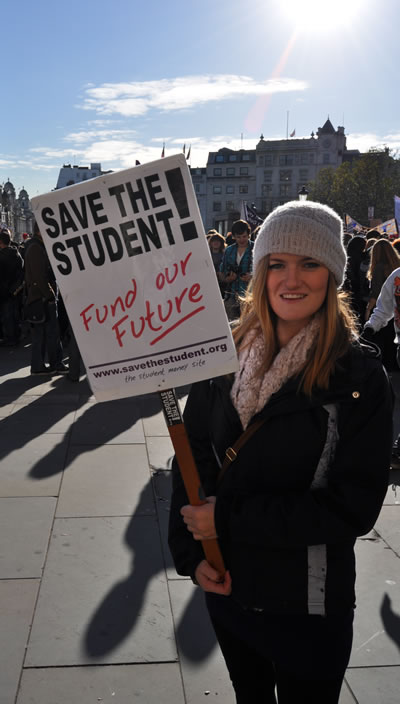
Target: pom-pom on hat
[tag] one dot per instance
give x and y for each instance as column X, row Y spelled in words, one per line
column 305, row 228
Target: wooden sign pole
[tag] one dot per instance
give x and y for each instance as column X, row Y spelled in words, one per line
column 188, row 470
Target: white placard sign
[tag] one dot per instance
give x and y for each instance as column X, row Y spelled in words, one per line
column 133, row 265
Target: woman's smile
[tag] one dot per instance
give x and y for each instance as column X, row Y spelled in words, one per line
column 296, row 288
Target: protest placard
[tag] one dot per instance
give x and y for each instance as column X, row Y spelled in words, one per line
column 133, row 265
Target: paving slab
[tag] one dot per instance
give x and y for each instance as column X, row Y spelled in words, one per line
column 19, row 466
column 387, row 526
column 17, row 602
column 393, row 492
column 58, row 395
column 6, row 406
column 111, row 422
column 376, row 630
column 160, row 451
column 23, row 550
column 108, row 480
column 346, row 696
column 104, row 596
column 51, row 418
column 375, row 685
column 155, row 425
column 202, row 664
column 162, row 483
column 125, row 684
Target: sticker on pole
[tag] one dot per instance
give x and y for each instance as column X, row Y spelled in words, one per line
column 135, row 272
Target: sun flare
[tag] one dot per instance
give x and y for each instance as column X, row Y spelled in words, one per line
column 321, row 16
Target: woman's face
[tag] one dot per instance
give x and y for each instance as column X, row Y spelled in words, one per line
column 215, row 245
column 296, row 288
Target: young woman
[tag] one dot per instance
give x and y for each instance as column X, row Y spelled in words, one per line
column 217, row 245
column 383, row 260
column 312, row 478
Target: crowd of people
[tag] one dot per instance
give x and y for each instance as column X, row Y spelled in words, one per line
column 293, row 450
column 30, row 303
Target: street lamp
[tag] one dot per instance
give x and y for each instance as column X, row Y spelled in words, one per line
column 303, row 193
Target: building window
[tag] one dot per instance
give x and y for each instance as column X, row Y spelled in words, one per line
column 303, row 175
column 284, row 189
column 325, row 158
column 285, row 175
column 230, row 189
column 219, row 159
column 267, row 175
column 197, row 187
column 268, row 160
column 246, row 157
column 243, row 189
column 266, row 189
column 244, row 170
column 286, row 160
column 261, row 161
column 217, row 189
column 217, row 171
column 230, row 171
column 217, row 206
column 230, row 205
column 311, row 158
column 232, row 157
column 304, row 158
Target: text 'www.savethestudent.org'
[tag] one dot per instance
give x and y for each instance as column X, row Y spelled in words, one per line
column 156, row 367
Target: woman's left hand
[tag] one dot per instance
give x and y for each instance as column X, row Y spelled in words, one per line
column 200, row 519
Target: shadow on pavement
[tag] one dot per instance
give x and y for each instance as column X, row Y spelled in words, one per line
column 390, row 620
column 116, row 616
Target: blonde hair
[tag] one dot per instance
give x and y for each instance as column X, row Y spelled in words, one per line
column 337, row 329
column 382, row 251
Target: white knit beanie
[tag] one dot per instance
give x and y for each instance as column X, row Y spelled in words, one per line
column 305, row 228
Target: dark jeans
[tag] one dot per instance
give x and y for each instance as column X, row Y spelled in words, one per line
column 9, row 313
column 46, row 340
column 304, row 657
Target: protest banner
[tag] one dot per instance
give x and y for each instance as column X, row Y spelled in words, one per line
column 133, row 265
column 397, row 212
column 134, row 268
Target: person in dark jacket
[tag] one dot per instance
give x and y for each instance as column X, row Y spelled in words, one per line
column 11, row 280
column 312, row 478
column 41, row 286
column 356, row 282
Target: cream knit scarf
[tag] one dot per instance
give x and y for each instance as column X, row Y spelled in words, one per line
column 249, row 392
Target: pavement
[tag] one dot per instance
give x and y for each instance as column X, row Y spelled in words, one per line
column 91, row 609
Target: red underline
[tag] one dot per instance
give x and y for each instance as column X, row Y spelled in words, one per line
column 176, row 324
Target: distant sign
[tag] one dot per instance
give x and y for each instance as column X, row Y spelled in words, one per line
column 130, row 256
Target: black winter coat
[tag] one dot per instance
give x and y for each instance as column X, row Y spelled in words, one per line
column 286, row 530
column 11, row 272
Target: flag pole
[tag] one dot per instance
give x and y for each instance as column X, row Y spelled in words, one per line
column 287, row 124
column 188, row 469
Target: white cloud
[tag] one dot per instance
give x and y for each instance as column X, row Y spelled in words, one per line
column 137, row 98
column 85, row 136
column 368, row 140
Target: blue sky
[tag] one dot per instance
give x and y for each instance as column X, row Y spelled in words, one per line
column 95, row 81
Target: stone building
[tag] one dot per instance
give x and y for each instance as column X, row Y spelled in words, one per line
column 15, row 211
column 76, row 174
column 268, row 175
